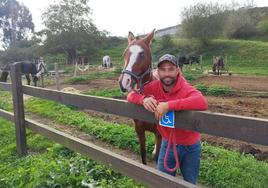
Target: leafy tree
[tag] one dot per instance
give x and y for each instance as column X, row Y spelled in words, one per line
column 23, row 50
column 15, row 22
column 166, row 41
column 262, row 26
column 240, row 24
column 70, row 29
column 203, row 21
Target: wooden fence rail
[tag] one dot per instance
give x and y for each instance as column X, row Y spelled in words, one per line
column 254, row 130
column 249, row 129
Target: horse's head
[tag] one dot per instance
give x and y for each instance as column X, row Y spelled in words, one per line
column 137, row 63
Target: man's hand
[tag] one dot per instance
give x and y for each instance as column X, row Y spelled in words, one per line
column 150, row 104
column 161, row 110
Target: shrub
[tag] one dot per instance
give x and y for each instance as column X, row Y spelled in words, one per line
column 202, row 88
column 218, row 90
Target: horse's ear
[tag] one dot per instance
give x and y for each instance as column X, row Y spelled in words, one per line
column 149, row 37
column 131, row 37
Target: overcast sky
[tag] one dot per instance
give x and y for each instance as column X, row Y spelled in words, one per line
column 120, row 16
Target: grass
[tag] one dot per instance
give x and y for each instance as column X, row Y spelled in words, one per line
column 51, row 165
column 94, row 76
column 215, row 90
column 219, row 167
column 243, row 57
column 105, row 93
column 6, row 101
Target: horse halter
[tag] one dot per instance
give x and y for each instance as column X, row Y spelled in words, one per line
column 139, row 78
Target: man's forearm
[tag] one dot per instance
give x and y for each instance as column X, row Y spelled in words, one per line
column 135, row 98
column 197, row 102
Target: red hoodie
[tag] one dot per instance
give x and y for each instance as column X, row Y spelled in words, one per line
column 182, row 97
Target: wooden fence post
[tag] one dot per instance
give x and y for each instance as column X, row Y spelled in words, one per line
column 57, row 76
column 19, row 117
column 201, row 62
column 42, row 80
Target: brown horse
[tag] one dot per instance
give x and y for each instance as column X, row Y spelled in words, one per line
column 137, row 71
column 217, row 65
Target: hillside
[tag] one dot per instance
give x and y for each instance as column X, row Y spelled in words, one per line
column 243, row 56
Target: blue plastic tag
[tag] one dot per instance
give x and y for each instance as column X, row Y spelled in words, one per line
column 168, row 120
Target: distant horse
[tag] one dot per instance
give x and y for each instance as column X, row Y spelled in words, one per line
column 217, row 65
column 106, row 62
column 28, row 68
column 137, row 72
column 188, row 60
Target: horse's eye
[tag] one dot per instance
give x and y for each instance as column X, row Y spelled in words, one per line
column 142, row 54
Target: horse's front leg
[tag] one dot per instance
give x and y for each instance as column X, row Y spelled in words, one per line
column 158, row 140
column 28, row 79
column 139, row 128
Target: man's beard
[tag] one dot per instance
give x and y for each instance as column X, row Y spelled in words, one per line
column 168, row 81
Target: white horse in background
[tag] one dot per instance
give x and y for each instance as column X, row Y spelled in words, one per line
column 106, row 62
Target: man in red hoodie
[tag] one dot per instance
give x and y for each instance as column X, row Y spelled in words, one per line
column 173, row 93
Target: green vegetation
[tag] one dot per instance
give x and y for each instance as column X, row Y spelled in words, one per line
column 219, row 167
column 105, row 93
column 5, row 101
column 215, row 90
column 240, row 56
column 97, row 75
column 115, row 52
column 193, row 74
column 122, row 136
column 202, row 88
column 223, row 168
column 51, row 165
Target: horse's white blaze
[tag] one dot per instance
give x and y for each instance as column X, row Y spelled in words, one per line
column 126, row 82
column 134, row 54
column 40, row 69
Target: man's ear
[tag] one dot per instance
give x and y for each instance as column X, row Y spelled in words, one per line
column 149, row 37
column 179, row 70
column 131, row 37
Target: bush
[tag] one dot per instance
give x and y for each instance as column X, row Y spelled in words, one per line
column 76, row 79
column 166, row 41
column 106, row 93
column 217, row 90
column 202, row 88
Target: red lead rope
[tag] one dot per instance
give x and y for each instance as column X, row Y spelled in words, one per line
column 171, row 138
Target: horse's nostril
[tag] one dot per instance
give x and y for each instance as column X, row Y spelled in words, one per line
column 128, row 81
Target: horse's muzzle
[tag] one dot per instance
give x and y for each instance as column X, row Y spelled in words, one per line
column 121, row 87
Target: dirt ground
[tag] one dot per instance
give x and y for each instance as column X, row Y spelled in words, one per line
column 245, row 106
column 246, row 83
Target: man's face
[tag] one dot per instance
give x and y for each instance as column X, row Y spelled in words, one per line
column 168, row 73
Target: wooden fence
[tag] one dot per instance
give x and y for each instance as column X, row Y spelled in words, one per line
column 254, row 130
